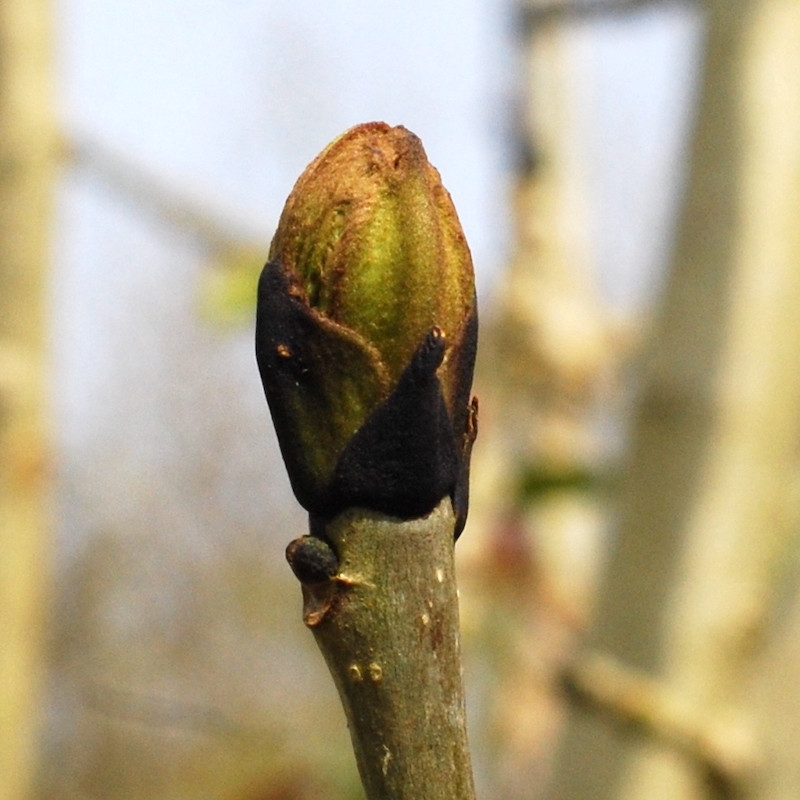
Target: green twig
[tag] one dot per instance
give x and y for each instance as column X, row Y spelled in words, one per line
column 387, row 625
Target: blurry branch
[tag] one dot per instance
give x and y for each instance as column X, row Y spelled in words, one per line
column 549, row 357
column 237, row 253
column 707, row 505
column 543, row 12
column 143, row 186
column 723, row 748
column 27, row 174
column 167, row 712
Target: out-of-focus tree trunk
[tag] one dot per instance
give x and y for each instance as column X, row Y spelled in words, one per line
column 707, row 512
column 546, row 349
column 26, row 175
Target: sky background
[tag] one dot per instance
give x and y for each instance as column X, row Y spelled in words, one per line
column 228, row 101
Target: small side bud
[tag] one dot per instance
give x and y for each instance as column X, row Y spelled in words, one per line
column 312, row 560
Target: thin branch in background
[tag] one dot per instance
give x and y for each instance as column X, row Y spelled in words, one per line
column 154, row 194
column 724, row 748
column 236, row 254
column 159, row 711
column 542, row 12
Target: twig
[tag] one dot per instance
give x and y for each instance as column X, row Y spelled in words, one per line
column 141, row 184
column 387, row 625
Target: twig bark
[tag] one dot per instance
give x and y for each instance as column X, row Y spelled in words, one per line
column 387, row 625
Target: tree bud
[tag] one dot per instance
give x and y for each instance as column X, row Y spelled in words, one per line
column 367, row 328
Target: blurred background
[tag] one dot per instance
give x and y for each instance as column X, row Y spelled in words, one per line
column 628, row 176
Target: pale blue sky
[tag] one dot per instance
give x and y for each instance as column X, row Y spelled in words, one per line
column 228, row 101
